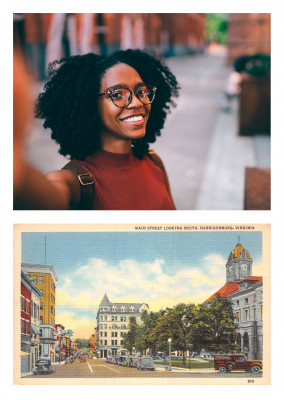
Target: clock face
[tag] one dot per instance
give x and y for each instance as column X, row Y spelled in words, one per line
column 244, row 267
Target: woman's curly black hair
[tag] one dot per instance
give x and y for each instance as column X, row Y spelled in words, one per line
column 68, row 103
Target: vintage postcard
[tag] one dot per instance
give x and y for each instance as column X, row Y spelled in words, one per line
column 142, row 304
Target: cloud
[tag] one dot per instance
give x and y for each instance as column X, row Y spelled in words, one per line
column 133, row 281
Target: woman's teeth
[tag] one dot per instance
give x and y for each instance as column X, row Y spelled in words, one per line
column 133, row 119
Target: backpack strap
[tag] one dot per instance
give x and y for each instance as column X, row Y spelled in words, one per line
column 156, row 159
column 86, row 183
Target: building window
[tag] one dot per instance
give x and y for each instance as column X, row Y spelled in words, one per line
column 123, row 326
column 22, row 303
column 105, row 326
column 105, row 334
column 122, row 334
column 105, row 317
column 246, row 315
column 237, row 303
column 246, row 300
column 41, row 306
column 238, row 317
column 115, row 342
column 254, row 314
column 105, row 342
column 27, row 327
column 40, row 280
column 121, row 342
column 34, row 279
column 101, row 334
column 114, row 326
column 27, row 306
column 40, row 320
column 254, row 298
column 132, row 309
column 51, row 322
column 40, row 332
column 52, row 298
column 101, row 317
column 52, row 310
column 22, row 326
column 101, row 342
column 123, row 309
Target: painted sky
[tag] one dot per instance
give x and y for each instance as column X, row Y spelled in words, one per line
column 158, row 268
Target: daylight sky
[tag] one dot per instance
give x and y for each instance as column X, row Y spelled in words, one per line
column 159, row 268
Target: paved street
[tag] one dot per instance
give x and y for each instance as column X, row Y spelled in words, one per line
column 101, row 369
column 204, row 156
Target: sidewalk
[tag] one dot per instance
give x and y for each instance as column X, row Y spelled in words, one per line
column 223, row 182
column 187, row 370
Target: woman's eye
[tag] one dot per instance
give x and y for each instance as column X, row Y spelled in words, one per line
column 144, row 92
column 118, row 94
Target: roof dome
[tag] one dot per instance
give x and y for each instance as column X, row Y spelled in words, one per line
column 237, row 252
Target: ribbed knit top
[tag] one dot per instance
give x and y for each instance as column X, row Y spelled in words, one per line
column 123, row 182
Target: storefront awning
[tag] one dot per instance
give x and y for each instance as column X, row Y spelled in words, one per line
column 23, row 353
column 34, row 329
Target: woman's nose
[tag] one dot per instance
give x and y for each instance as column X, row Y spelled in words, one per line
column 135, row 102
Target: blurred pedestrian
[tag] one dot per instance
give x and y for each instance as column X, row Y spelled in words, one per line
column 104, row 112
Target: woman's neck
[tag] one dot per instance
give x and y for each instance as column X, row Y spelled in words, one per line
column 116, row 146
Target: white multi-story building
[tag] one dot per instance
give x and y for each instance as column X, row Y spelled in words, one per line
column 112, row 324
column 246, row 294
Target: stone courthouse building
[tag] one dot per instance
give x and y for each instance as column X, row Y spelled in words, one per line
column 245, row 291
column 112, row 324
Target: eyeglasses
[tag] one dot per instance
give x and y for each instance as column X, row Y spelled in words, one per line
column 122, row 97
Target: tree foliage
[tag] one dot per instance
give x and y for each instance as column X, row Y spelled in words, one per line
column 216, row 28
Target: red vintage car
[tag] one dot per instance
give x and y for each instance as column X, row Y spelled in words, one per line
column 230, row 362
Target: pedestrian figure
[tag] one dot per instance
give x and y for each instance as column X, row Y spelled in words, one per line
column 104, row 112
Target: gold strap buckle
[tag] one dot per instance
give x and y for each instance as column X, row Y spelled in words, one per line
column 83, row 182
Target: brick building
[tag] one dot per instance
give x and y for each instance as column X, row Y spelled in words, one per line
column 30, row 299
column 44, row 278
column 248, row 33
column 245, row 291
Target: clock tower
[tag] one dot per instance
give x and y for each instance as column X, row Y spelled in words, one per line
column 239, row 264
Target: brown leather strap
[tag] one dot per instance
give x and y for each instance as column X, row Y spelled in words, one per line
column 156, row 159
column 86, row 183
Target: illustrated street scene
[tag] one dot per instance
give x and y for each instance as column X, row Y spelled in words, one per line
column 151, row 301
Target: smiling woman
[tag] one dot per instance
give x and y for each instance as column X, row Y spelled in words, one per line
column 104, row 112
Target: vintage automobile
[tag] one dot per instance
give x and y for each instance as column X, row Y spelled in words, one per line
column 133, row 361
column 232, row 362
column 42, row 366
column 145, row 362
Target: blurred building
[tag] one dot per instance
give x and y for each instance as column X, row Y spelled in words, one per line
column 46, row 37
column 248, row 34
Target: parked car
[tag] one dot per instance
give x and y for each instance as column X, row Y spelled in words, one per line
column 42, row 366
column 230, row 362
column 133, row 361
column 82, row 358
column 145, row 362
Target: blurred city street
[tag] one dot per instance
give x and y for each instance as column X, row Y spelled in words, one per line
column 203, row 154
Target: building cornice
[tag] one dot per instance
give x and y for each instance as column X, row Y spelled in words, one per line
column 44, row 269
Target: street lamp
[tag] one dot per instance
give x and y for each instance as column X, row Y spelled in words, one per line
column 170, row 354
